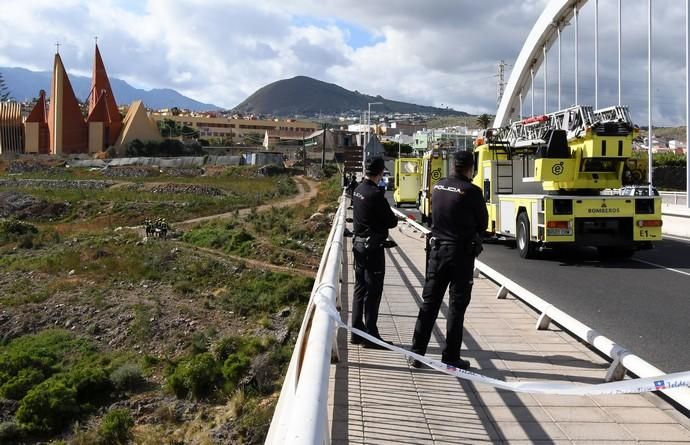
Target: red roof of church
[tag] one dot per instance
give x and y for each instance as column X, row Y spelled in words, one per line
column 99, row 113
column 100, row 86
column 38, row 113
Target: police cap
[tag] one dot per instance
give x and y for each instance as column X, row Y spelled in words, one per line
column 375, row 166
column 463, row 159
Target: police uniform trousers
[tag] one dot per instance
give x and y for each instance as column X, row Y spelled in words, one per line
column 370, row 267
column 449, row 264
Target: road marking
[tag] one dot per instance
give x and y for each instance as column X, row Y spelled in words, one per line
column 660, row 266
column 677, row 238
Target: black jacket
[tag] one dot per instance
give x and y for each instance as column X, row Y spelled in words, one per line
column 458, row 210
column 372, row 215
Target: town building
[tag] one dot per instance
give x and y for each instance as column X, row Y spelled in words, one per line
column 236, row 129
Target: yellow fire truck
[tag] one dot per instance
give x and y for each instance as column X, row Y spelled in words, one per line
column 435, row 166
column 408, row 180
column 556, row 179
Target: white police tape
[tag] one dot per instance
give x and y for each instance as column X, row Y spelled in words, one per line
column 632, row 386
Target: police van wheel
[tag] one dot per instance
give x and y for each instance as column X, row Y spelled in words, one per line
column 526, row 248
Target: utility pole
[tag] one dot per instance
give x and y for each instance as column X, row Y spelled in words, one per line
column 323, row 149
column 501, row 85
column 304, row 155
column 369, row 117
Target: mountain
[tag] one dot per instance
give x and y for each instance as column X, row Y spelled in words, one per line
column 25, row 85
column 310, row 97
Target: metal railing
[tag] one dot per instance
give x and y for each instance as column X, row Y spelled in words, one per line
column 674, row 198
column 301, row 415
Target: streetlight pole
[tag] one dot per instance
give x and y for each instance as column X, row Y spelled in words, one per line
column 366, row 142
column 369, row 117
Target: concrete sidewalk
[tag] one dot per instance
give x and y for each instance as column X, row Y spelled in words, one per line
column 375, row 397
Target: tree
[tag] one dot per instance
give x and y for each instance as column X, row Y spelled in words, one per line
column 4, row 91
column 484, row 120
column 169, row 128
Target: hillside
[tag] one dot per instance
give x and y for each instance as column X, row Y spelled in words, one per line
column 167, row 337
column 309, row 97
column 25, row 85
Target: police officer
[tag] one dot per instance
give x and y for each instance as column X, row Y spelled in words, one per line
column 372, row 217
column 459, row 219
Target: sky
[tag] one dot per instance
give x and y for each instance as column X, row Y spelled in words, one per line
column 442, row 53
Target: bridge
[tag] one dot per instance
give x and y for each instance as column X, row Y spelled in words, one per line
column 566, row 349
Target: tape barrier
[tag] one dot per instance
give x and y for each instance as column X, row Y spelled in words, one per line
column 631, row 386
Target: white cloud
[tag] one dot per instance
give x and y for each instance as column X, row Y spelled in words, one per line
column 434, row 53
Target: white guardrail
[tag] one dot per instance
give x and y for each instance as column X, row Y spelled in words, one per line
column 674, row 198
column 301, row 415
column 622, row 359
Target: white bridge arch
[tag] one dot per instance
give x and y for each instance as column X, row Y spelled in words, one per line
column 556, row 14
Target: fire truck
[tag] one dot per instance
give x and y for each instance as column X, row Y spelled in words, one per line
column 556, row 179
column 435, row 166
column 408, row 178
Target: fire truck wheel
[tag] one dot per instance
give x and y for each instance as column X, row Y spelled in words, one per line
column 525, row 247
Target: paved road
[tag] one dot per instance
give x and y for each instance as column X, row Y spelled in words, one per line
column 638, row 303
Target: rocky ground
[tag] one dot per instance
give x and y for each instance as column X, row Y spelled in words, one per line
column 24, row 206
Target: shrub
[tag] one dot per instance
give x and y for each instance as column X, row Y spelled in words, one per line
column 116, row 427
column 16, row 387
column 266, row 292
column 14, row 230
column 92, row 386
column 127, row 377
column 15, row 227
column 45, row 353
column 48, row 407
column 669, row 160
column 197, row 376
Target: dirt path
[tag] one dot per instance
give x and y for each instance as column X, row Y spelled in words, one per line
column 306, row 190
column 222, row 256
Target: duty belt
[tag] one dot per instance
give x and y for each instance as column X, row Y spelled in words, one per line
column 435, row 242
column 360, row 239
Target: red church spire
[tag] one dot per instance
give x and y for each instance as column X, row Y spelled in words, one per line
column 38, row 113
column 101, row 91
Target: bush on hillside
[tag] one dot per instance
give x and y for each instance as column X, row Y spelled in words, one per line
column 48, row 407
column 116, row 427
column 198, row 376
column 127, row 377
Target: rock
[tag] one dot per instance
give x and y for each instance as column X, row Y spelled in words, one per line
column 222, row 434
column 8, row 408
column 71, row 272
column 284, row 312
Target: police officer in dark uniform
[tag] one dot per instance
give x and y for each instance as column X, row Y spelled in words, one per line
column 459, row 219
column 372, row 217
